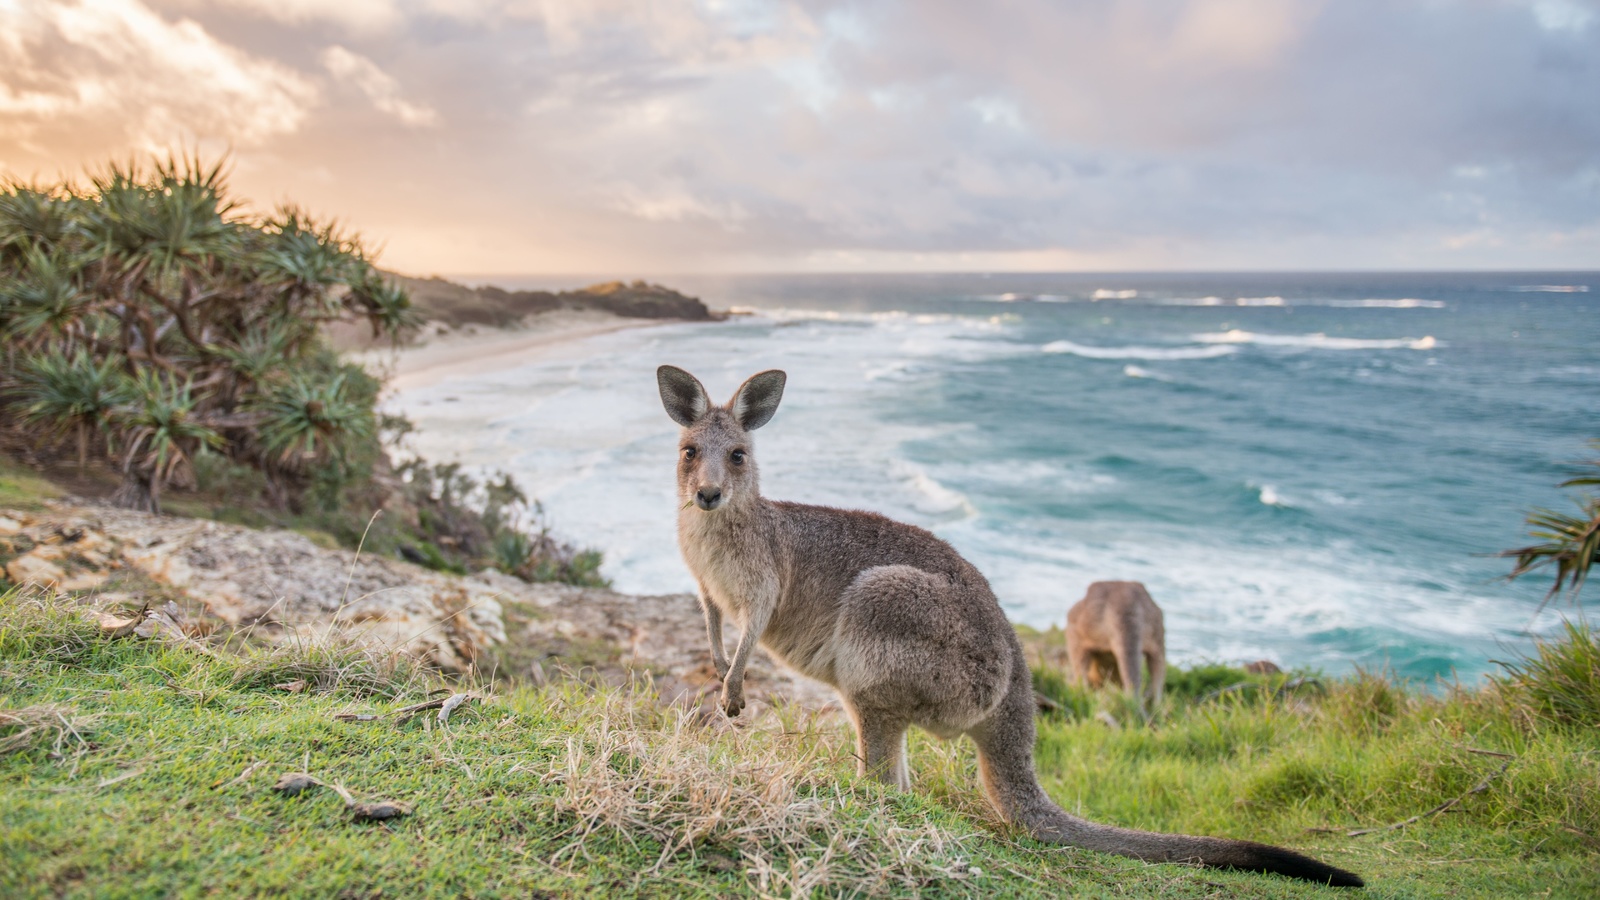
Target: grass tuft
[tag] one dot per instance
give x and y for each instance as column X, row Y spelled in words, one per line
column 332, row 665
column 24, row 729
column 1560, row 683
column 773, row 801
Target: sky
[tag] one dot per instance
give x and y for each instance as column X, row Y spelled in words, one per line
column 657, row 136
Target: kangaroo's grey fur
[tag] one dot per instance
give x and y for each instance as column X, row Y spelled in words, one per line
column 1117, row 619
column 906, row 631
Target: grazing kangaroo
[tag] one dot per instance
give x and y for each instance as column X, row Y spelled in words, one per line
column 906, row 631
column 1117, row 621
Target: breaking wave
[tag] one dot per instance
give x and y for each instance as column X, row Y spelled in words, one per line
column 1136, row 352
column 1317, row 341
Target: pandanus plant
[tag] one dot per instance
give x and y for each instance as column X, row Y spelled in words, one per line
column 148, row 310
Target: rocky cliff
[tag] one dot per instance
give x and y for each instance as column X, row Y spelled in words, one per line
column 272, row 586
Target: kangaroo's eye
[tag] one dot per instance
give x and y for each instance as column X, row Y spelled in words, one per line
column 737, row 456
column 688, row 453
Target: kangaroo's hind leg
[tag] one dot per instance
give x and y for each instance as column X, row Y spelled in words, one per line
column 916, row 648
column 881, row 747
column 1158, row 678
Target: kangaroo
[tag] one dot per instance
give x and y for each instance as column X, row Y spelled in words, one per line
column 904, row 629
column 1117, row 619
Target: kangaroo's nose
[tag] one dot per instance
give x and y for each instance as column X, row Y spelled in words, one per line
column 708, row 497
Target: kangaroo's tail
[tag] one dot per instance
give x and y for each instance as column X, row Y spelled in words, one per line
column 1005, row 753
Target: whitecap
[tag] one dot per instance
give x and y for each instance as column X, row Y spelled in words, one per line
column 1270, row 497
column 929, row 497
column 1135, row 352
column 1258, row 301
column 1317, row 341
column 1382, row 303
column 1552, row 289
column 1108, row 294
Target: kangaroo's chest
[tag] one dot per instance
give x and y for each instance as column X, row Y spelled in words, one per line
column 735, row 567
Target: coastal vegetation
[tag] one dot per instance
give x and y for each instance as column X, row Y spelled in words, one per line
column 1570, row 544
column 156, row 338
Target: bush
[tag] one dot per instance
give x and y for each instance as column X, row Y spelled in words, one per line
column 144, row 316
column 1560, row 683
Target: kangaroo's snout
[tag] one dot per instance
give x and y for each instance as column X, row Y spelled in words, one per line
column 708, row 497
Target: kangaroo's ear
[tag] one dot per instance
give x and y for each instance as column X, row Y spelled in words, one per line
column 757, row 399
column 682, row 394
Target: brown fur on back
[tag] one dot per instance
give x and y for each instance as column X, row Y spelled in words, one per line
column 1117, row 627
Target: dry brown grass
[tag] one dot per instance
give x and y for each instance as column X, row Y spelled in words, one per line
column 769, row 798
column 26, row 728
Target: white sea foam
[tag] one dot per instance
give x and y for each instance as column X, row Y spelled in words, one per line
column 927, row 495
column 1269, row 496
column 1552, row 289
column 1316, row 341
column 1382, row 303
column 1171, row 353
column 1275, row 301
column 1015, row 297
column 1109, row 294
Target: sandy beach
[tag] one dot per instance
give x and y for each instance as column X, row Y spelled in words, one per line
column 442, row 354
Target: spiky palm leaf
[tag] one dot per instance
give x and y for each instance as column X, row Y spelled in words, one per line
column 263, row 355
column 72, row 393
column 306, row 259
column 161, row 432
column 313, row 416
column 384, row 303
column 1569, row 543
column 45, row 299
column 175, row 222
column 36, row 218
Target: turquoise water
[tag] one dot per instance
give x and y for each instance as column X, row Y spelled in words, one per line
column 1306, row 468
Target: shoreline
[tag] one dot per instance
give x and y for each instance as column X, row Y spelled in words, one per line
column 473, row 348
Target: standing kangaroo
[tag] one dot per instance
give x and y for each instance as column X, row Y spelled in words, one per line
column 906, row 631
column 1117, row 619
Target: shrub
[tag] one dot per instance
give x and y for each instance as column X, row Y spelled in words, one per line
column 1560, row 682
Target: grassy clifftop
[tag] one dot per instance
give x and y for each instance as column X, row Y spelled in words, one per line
column 145, row 767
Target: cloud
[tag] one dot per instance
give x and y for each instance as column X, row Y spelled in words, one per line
column 680, row 134
column 354, row 15
column 114, row 68
column 378, row 86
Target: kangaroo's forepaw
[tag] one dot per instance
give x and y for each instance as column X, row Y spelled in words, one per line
column 732, row 700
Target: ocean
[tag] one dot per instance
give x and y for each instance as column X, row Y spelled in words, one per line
column 1314, row 469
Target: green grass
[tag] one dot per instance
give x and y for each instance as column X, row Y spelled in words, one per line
column 22, row 489
column 576, row 791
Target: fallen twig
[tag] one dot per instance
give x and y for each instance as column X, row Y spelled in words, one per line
column 1479, row 788
column 248, row 771
column 107, row 782
column 450, row 704
column 293, row 783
